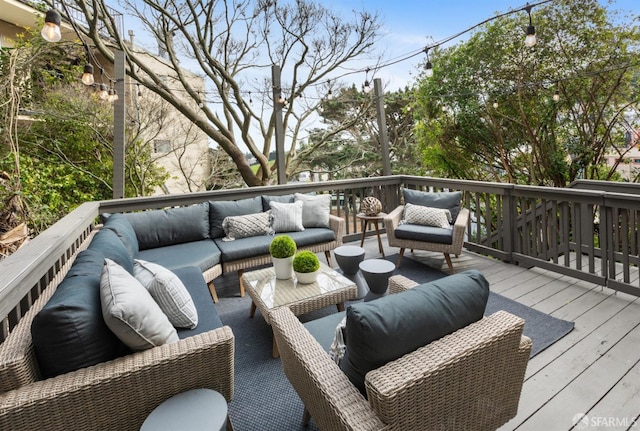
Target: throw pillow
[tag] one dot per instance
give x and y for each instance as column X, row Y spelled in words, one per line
column 130, row 312
column 316, row 209
column 286, row 217
column 244, row 226
column 386, row 329
column 169, row 293
column 427, row 216
column 444, row 200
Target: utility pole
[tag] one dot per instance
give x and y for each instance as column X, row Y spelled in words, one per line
column 277, row 116
column 119, row 115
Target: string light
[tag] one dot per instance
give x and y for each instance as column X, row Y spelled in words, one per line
column 87, row 75
column 530, row 40
column 139, row 90
column 556, row 95
column 51, row 28
column 366, row 86
column 103, row 94
column 429, row 66
column 495, row 104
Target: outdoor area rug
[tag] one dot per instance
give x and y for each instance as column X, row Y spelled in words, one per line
column 263, row 398
column 544, row 330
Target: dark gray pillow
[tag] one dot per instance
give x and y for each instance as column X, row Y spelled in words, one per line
column 385, row 329
column 285, row 199
column 158, row 228
column 218, row 210
column 121, row 226
column 444, row 200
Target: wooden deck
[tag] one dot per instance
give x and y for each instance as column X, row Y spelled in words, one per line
column 592, row 371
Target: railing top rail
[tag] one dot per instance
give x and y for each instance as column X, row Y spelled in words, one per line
column 24, row 268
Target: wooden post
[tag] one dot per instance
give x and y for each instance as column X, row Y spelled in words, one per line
column 382, row 127
column 119, row 115
column 279, row 129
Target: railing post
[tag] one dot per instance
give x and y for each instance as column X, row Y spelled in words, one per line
column 509, row 222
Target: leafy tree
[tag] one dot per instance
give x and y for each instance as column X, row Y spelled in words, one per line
column 488, row 111
column 234, row 44
column 349, row 145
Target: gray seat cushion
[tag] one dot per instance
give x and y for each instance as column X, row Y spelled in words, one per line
column 218, row 210
column 445, row 200
column 253, row 246
column 159, row 228
column 203, row 254
column 208, row 317
column 387, row 328
column 416, row 232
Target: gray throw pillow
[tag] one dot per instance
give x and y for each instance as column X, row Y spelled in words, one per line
column 286, row 217
column 444, row 200
column 385, row 329
column 169, row 293
column 427, row 216
column 316, row 209
column 245, row 226
column 130, row 312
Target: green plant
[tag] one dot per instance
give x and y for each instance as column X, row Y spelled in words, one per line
column 282, row 246
column 306, row 261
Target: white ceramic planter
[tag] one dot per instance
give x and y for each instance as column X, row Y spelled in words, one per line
column 306, row 277
column 283, row 267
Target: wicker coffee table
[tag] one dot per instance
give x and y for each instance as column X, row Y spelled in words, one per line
column 268, row 293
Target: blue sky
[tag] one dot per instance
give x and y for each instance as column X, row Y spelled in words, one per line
column 409, row 25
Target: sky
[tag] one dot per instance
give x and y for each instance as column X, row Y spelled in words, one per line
column 410, row 25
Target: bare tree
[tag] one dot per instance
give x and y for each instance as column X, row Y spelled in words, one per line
column 233, row 44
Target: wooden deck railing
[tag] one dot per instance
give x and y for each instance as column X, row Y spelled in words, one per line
column 588, row 234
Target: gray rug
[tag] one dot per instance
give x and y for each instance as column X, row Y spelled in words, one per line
column 263, row 398
column 544, row 330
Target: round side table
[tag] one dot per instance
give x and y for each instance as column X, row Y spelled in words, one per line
column 194, row 410
column 367, row 220
column 377, row 272
column 348, row 258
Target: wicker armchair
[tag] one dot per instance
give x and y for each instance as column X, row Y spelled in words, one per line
column 468, row 380
column 392, row 220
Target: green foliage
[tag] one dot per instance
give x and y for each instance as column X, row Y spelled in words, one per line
column 282, row 246
column 582, row 52
column 306, row 261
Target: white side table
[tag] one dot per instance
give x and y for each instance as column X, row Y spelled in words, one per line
column 194, row 410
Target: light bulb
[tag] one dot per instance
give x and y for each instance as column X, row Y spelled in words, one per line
column 429, row 71
column 115, row 96
column 495, row 104
column 51, row 28
column 556, row 96
column 367, row 87
column 103, row 94
column 87, row 75
column 530, row 40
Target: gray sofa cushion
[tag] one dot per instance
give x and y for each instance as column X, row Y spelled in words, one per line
column 245, row 248
column 204, row 254
column 444, row 200
column 158, row 228
column 107, row 242
column 208, row 318
column 121, row 226
column 218, row 210
column 416, row 232
column 266, row 199
column 385, row 329
column 69, row 332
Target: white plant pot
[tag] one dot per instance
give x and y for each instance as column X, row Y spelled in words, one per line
column 283, row 267
column 307, row 277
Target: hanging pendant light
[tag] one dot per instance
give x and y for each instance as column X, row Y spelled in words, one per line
column 530, row 40
column 51, row 28
column 87, row 75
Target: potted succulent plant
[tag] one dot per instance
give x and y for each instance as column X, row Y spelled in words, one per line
column 282, row 250
column 306, row 266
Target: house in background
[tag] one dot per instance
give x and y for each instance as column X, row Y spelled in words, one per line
column 176, row 144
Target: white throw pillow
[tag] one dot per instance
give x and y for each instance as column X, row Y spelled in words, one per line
column 427, row 216
column 244, row 226
column 316, row 209
column 168, row 291
column 286, row 217
column 130, row 312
